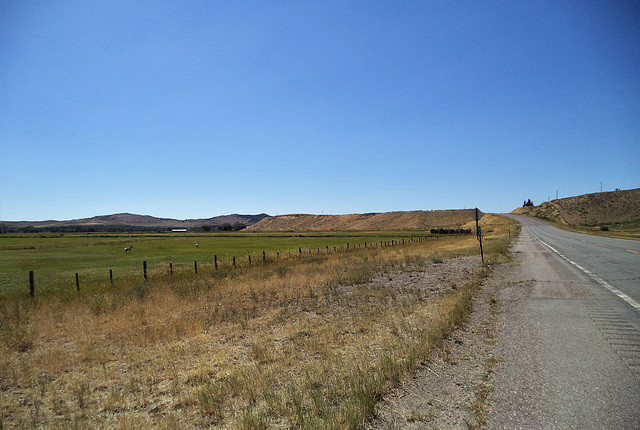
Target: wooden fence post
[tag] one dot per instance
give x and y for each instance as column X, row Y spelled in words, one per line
column 31, row 284
column 171, row 268
column 264, row 256
column 144, row 269
column 234, row 261
column 249, row 259
column 215, row 261
column 77, row 282
column 111, row 276
column 195, row 266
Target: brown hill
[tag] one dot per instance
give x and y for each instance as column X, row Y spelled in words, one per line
column 127, row 221
column 588, row 210
column 409, row 220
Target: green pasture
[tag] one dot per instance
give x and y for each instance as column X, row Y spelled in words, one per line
column 55, row 259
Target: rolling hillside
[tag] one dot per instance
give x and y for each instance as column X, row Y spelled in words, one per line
column 590, row 210
column 128, row 222
column 409, row 220
column 401, row 220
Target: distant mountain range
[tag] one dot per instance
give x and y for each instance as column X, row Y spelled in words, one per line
column 130, row 222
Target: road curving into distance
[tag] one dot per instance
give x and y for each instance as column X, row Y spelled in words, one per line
column 568, row 349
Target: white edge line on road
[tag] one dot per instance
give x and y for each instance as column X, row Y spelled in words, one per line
column 599, row 280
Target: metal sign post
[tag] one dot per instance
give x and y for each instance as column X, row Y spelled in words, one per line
column 479, row 235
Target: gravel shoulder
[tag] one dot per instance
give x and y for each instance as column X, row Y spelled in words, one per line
column 534, row 353
column 450, row 390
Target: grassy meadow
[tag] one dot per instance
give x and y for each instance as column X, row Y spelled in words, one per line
column 55, row 259
column 297, row 342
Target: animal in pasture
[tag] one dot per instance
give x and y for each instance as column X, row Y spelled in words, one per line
column 197, row 244
column 129, row 248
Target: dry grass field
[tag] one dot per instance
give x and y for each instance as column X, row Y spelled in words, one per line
column 307, row 342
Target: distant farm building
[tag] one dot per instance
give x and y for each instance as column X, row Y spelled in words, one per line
column 178, row 230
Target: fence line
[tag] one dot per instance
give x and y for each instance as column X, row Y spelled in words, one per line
column 349, row 247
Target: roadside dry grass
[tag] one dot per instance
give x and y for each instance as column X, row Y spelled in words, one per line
column 304, row 343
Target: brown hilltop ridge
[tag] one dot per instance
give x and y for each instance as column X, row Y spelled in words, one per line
column 614, row 207
column 405, row 220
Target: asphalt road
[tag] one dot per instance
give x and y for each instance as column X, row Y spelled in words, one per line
column 614, row 263
column 568, row 337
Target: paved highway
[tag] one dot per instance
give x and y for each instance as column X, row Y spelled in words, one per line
column 614, row 263
column 569, row 333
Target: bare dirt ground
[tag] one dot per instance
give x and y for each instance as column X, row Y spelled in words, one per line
column 450, row 390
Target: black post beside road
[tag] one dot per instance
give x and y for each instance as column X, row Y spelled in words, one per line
column 31, row 284
column 111, row 276
column 195, row 266
column 215, row 261
column 171, row 268
column 479, row 234
column 77, row 282
column 144, row 269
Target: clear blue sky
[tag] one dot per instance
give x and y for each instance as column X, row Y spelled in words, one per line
column 192, row 109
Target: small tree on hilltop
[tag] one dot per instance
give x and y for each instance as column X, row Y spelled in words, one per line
column 527, row 203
